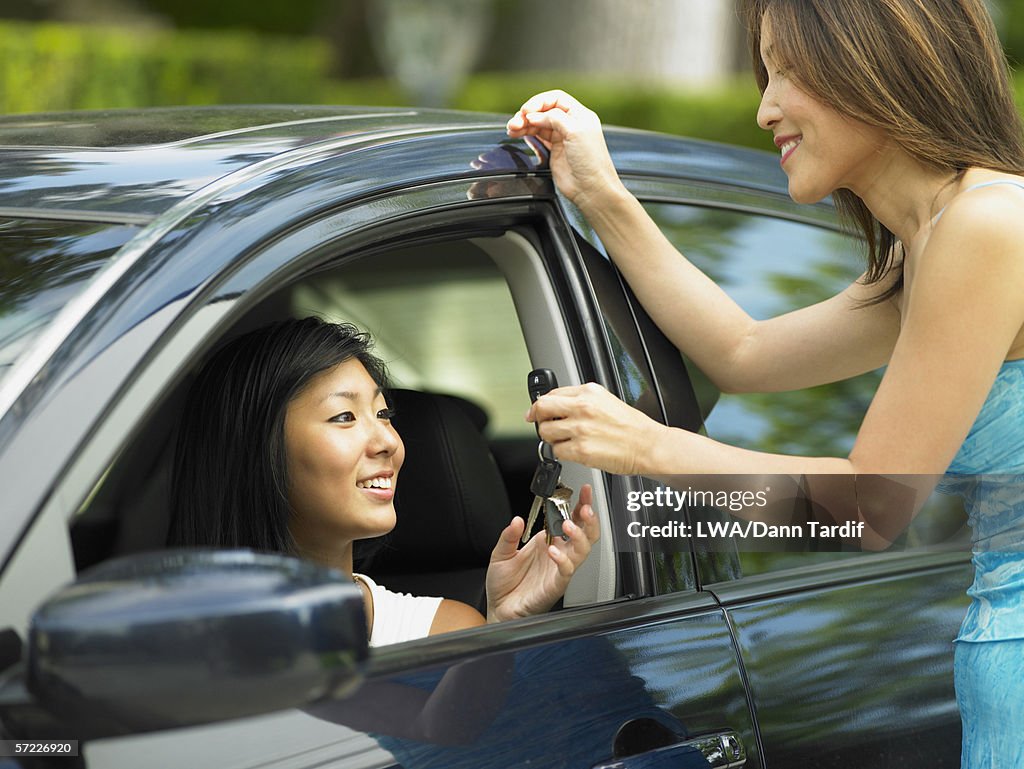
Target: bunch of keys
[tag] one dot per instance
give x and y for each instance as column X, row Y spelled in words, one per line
column 550, row 494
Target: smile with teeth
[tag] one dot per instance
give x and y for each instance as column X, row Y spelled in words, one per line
column 374, row 483
column 789, row 146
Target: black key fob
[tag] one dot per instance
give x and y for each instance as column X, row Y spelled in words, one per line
column 540, row 381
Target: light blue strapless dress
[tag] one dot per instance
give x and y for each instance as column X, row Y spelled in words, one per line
column 988, row 472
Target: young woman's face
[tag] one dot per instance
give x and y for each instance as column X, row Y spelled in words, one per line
column 821, row 150
column 343, row 459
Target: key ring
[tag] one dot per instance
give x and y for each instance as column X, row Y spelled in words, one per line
column 540, row 452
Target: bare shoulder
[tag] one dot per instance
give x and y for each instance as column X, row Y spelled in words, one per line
column 973, row 262
column 455, row 615
column 985, row 221
column 989, row 200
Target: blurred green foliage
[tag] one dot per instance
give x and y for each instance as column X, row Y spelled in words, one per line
column 296, row 17
column 47, row 67
column 55, row 67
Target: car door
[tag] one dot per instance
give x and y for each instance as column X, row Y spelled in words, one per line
column 847, row 654
column 620, row 676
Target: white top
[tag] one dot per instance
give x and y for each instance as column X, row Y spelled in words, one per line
column 398, row 617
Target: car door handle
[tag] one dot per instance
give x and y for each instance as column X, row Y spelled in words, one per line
column 722, row 750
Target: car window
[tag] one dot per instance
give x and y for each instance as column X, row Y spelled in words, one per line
column 442, row 318
column 43, row 265
column 446, row 319
column 468, row 318
column 770, row 266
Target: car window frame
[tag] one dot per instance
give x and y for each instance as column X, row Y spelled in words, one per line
column 214, row 307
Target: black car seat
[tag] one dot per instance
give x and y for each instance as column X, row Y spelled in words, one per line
column 450, row 500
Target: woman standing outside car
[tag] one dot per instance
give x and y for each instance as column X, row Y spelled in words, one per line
column 903, row 111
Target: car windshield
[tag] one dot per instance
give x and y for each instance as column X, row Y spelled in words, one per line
column 43, row 265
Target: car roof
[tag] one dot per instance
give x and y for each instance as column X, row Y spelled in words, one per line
column 141, row 162
column 132, row 165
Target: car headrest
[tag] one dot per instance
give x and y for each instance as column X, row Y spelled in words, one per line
column 450, row 499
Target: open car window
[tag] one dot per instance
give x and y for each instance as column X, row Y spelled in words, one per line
column 450, row 320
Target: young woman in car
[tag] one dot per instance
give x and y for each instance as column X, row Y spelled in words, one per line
column 286, row 445
column 902, row 110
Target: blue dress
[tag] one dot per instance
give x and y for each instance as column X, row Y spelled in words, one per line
column 988, row 471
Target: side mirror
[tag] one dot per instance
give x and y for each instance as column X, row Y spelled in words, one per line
column 181, row 637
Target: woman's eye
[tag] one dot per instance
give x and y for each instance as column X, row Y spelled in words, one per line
column 345, row 416
column 387, row 414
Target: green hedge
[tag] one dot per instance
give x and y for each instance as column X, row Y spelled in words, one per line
column 53, row 67
column 47, row 67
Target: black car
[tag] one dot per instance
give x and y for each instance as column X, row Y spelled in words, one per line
column 132, row 242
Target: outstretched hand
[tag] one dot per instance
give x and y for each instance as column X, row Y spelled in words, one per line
column 580, row 161
column 525, row 581
column 587, row 424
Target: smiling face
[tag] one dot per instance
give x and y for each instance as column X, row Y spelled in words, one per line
column 821, row 149
column 343, row 458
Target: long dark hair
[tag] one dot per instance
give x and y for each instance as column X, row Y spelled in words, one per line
column 230, row 479
column 931, row 73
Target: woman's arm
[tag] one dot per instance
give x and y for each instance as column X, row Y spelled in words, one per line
column 835, row 339
column 455, row 615
column 964, row 312
column 832, row 340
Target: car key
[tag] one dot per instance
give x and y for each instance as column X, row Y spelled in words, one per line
column 546, row 478
column 556, row 511
column 539, row 382
column 543, row 485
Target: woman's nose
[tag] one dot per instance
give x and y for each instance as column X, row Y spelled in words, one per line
column 384, row 439
column 768, row 112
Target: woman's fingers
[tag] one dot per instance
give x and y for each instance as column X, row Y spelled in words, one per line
column 589, row 425
column 544, row 102
column 553, row 115
column 560, row 411
column 562, row 561
column 588, row 522
column 552, row 405
column 567, row 555
column 546, row 126
column 555, row 98
column 585, row 517
column 508, row 540
column 558, row 402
